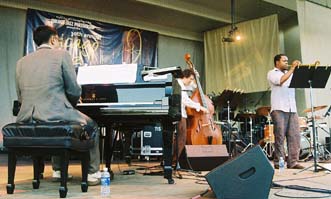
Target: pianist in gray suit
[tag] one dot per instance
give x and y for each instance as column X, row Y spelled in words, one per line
column 48, row 91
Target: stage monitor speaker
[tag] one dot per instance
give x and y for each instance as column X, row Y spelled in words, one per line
column 247, row 176
column 204, row 157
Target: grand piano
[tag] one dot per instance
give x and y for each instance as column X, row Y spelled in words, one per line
column 130, row 106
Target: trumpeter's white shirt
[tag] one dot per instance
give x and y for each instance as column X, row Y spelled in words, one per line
column 282, row 97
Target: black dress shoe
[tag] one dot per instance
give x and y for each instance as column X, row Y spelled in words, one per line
column 297, row 166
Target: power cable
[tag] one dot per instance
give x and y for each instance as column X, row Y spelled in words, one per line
column 310, row 197
column 301, row 188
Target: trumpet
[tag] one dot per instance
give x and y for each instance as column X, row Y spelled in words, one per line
column 316, row 64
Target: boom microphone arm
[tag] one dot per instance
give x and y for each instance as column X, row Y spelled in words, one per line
column 328, row 112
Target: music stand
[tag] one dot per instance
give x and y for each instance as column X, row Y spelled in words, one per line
column 229, row 99
column 232, row 96
column 311, row 77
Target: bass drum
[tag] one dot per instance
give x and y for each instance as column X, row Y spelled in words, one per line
column 305, row 147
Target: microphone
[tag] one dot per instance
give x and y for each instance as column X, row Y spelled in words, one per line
column 327, row 112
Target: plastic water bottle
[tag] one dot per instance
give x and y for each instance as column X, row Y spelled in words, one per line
column 281, row 164
column 105, row 183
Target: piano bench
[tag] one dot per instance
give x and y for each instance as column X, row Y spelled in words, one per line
column 42, row 139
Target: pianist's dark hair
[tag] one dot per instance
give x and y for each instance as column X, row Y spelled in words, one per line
column 278, row 57
column 187, row 73
column 42, row 34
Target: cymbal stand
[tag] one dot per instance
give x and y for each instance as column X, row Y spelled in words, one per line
column 251, row 134
column 323, row 152
column 315, row 165
column 230, row 135
column 269, row 144
column 327, row 114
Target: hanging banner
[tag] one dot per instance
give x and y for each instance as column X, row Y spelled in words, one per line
column 95, row 43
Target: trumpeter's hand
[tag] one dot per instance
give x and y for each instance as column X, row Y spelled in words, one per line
column 295, row 64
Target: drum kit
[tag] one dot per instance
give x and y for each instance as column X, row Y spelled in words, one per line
column 257, row 128
column 246, row 128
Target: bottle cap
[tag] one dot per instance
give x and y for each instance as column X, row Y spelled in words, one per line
column 105, row 169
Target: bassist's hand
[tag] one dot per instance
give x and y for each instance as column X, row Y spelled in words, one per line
column 196, row 73
column 203, row 109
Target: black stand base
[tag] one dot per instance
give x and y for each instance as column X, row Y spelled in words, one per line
column 315, row 168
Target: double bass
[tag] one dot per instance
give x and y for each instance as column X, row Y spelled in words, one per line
column 201, row 129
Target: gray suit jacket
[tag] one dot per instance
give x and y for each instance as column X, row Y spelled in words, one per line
column 47, row 87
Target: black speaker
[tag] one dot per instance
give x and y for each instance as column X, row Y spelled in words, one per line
column 204, row 157
column 328, row 143
column 247, row 176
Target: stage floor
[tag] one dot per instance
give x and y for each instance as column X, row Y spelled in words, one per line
column 140, row 186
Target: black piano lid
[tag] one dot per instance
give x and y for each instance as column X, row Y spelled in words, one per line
column 126, row 92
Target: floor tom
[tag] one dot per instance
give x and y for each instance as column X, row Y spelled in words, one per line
column 269, row 133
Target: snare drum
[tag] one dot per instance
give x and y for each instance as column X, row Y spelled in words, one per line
column 269, row 133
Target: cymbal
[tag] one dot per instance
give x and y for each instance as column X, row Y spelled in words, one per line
column 246, row 115
column 263, row 110
column 316, row 108
column 317, row 117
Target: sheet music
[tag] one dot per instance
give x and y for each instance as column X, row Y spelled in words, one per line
column 161, row 70
column 158, row 72
column 152, row 77
column 107, row 74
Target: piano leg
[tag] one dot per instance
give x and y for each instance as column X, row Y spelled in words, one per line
column 168, row 129
column 108, row 149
